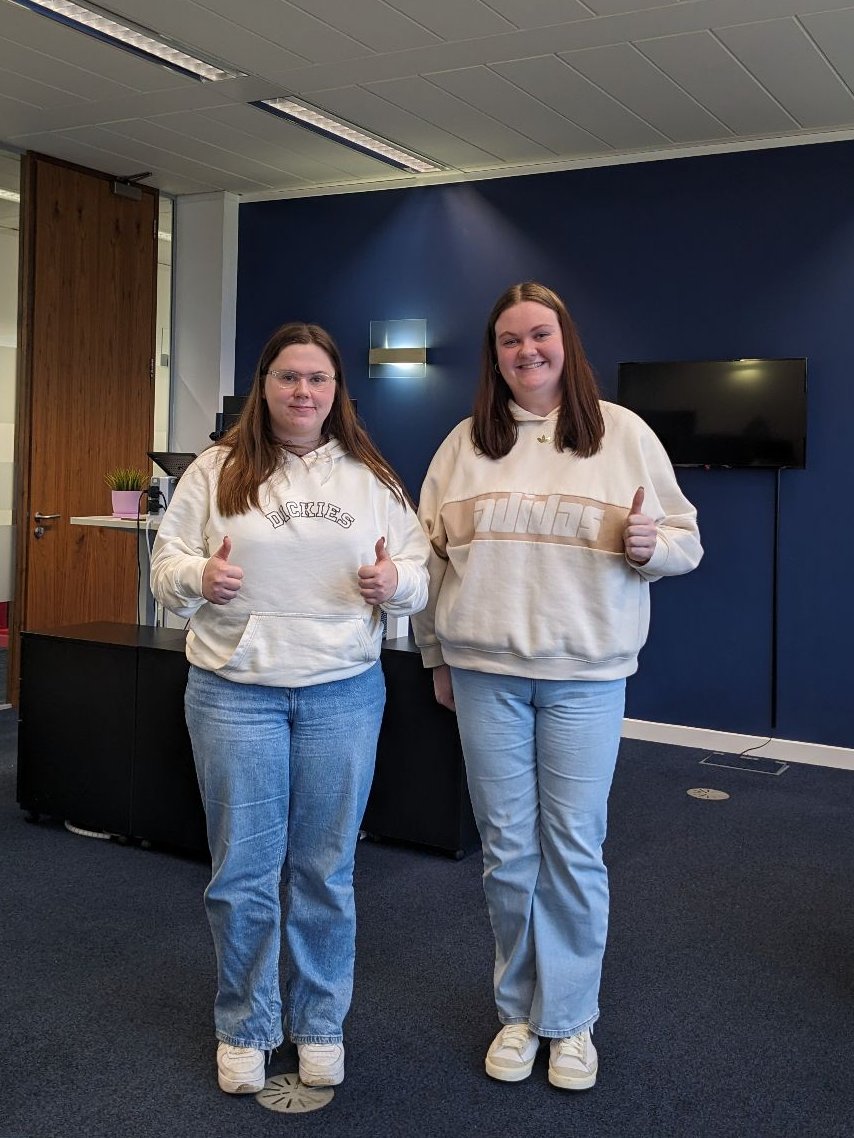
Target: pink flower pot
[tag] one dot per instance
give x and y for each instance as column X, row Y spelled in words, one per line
column 129, row 503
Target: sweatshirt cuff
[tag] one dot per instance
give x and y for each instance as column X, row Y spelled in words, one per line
column 186, row 587
column 431, row 656
column 405, row 596
column 652, row 569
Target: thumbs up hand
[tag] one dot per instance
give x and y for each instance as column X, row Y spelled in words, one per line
column 378, row 582
column 221, row 581
column 640, row 532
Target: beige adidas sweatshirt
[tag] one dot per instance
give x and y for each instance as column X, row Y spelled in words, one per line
column 528, row 574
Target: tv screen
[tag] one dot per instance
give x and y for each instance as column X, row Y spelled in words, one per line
column 722, row 412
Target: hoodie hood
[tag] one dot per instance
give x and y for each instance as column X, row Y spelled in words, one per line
column 523, row 416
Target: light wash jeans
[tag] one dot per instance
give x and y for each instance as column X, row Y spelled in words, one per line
column 284, row 775
column 540, row 757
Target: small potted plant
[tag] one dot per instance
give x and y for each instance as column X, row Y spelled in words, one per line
column 126, row 484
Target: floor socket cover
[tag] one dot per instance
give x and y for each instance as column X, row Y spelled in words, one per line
column 285, row 1093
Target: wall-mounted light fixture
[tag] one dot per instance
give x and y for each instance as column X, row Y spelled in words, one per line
column 398, row 348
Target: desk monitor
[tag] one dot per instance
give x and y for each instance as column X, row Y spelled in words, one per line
column 173, row 463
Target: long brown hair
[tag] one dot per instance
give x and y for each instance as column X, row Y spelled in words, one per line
column 253, row 452
column 580, row 426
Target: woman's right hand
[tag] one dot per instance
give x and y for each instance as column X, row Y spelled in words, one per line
column 443, row 688
column 220, row 581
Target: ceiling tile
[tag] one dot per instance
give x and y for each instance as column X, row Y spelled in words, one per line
column 56, row 73
column 626, row 75
column 286, row 25
column 390, row 121
column 35, row 93
column 790, row 66
column 554, row 83
column 204, row 142
column 16, row 117
column 301, row 153
column 371, row 22
column 431, row 103
column 620, row 7
column 834, row 34
column 489, row 92
column 454, row 19
column 144, row 147
column 704, row 68
column 281, row 142
column 541, row 13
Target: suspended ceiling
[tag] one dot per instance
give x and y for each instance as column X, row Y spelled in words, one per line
column 483, row 87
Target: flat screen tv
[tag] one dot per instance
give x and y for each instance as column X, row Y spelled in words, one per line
column 727, row 413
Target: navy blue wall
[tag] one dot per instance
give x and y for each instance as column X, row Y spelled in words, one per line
column 723, row 256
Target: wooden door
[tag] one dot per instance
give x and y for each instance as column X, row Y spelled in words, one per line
column 85, row 390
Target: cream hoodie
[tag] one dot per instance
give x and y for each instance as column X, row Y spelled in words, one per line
column 528, row 574
column 299, row 618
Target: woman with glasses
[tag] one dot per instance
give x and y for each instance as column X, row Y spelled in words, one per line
column 549, row 514
column 283, row 544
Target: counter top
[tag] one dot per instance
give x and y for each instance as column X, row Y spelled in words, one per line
column 109, row 521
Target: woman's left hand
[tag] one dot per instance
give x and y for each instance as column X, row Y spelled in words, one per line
column 378, row 582
column 640, row 533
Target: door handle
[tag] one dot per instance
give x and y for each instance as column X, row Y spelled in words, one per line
column 38, row 529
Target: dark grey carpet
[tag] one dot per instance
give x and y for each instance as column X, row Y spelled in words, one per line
column 728, row 995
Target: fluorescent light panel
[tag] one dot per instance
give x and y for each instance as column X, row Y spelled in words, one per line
column 101, row 24
column 343, row 132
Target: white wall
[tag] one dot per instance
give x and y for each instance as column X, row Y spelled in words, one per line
column 204, row 248
column 163, row 346
column 8, row 357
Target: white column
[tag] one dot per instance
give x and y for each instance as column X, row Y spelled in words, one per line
column 204, row 304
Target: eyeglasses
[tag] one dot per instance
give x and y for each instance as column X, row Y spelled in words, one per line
column 316, row 379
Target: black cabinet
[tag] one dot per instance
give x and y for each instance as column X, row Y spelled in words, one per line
column 420, row 793
column 166, row 805
column 103, row 743
column 75, row 738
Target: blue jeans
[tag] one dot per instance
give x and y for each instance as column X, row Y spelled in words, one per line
column 540, row 757
column 284, row 775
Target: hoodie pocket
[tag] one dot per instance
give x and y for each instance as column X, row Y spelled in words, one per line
column 286, row 648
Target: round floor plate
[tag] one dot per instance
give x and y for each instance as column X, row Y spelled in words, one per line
column 286, row 1094
column 708, row 795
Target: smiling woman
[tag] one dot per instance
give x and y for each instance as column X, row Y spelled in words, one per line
column 538, row 607
column 299, row 389
column 284, row 545
column 530, row 353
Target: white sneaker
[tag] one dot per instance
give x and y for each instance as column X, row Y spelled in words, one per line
column 240, row 1069
column 321, row 1064
column 573, row 1062
column 512, row 1053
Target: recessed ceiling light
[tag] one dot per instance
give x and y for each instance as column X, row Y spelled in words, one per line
column 343, row 132
column 103, row 25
